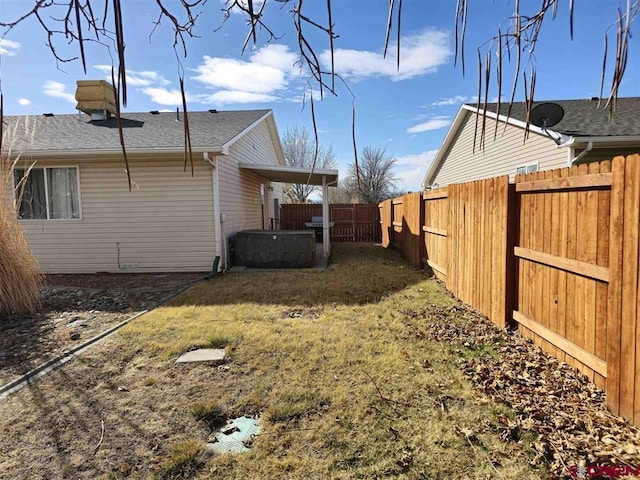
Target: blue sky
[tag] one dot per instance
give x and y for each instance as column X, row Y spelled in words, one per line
column 408, row 112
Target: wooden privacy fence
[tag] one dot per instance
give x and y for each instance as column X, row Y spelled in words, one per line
column 557, row 254
column 352, row 222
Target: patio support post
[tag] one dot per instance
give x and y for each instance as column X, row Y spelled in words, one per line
column 326, row 247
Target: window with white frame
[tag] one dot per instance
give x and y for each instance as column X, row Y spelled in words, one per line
column 529, row 168
column 47, row 193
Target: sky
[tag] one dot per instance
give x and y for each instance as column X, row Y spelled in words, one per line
column 407, row 111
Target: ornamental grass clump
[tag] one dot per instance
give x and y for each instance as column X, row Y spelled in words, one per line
column 20, row 278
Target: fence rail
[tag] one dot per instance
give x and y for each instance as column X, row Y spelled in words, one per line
column 557, row 254
column 352, row 222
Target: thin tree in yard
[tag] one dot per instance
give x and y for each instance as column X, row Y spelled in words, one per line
column 300, row 150
column 373, row 176
column 20, row 278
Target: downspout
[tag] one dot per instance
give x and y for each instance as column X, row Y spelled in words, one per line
column 581, row 154
column 217, row 224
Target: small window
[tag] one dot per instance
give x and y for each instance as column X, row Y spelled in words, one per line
column 48, row 193
column 530, row 168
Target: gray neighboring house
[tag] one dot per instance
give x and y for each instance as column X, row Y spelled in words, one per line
column 79, row 215
column 585, row 134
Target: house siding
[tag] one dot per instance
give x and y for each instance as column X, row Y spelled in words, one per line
column 240, row 201
column 608, row 153
column 164, row 224
column 500, row 156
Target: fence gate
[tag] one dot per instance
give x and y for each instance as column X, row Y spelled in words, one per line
column 344, row 223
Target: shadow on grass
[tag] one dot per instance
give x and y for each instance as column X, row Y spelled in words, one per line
column 358, row 274
column 82, row 412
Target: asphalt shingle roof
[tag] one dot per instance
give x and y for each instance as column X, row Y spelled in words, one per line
column 160, row 131
column 584, row 118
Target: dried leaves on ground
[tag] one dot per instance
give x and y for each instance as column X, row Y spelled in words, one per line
column 566, row 412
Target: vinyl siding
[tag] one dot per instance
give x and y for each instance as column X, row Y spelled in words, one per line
column 500, row 157
column 240, row 200
column 607, row 153
column 165, row 224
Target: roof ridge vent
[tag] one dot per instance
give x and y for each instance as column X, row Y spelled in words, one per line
column 47, row 114
column 154, row 112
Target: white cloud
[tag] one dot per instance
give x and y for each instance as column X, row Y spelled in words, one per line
column 411, row 169
column 165, row 96
column 8, row 48
column 455, row 100
column 423, row 159
column 25, row 102
column 419, row 54
column 137, row 78
column 58, row 90
column 434, row 123
column 267, row 72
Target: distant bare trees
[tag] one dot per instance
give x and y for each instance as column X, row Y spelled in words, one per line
column 300, row 150
column 376, row 182
column 373, row 178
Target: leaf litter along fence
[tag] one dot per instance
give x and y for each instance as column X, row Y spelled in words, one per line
column 557, row 253
column 352, row 222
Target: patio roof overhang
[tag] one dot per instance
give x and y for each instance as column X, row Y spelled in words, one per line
column 287, row 174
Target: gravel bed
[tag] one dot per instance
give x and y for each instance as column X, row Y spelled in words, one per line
column 75, row 308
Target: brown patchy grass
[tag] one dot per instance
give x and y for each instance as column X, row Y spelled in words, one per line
column 346, row 384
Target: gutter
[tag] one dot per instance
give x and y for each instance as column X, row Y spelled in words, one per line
column 136, row 151
column 573, row 160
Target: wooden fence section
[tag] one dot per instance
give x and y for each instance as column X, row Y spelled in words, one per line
column 352, row 222
column 622, row 327
column 478, row 256
column 562, row 262
column 558, row 253
column 436, row 231
column 406, row 231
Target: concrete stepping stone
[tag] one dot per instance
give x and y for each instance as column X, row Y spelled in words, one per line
column 212, row 355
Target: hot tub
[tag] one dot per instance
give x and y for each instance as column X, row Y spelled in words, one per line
column 275, row 248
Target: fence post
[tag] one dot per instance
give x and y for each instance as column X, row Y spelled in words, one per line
column 513, row 229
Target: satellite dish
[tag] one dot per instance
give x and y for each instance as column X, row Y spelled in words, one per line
column 546, row 115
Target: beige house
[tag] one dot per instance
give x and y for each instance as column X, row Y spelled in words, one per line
column 586, row 133
column 80, row 216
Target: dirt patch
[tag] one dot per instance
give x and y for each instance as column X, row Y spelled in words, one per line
column 75, row 308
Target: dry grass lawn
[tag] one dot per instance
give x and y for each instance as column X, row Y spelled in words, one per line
column 346, row 383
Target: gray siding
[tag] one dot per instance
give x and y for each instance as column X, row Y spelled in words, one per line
column 500, row 157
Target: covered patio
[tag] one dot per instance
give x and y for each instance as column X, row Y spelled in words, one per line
column 319, row 177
